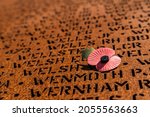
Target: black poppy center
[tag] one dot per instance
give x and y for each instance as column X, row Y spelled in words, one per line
column 104, row 59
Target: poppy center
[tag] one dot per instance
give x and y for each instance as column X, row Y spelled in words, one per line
column 104, row 59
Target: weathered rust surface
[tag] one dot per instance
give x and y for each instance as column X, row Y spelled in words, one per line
column 41, row 43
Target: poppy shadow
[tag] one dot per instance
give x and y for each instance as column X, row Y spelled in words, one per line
column 88, row 67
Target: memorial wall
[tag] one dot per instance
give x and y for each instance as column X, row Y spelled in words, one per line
column 41, row 44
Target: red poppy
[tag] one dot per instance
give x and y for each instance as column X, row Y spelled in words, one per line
column 104, row 59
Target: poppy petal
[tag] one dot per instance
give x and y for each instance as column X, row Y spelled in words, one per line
column 111, row 64
column 95, row 56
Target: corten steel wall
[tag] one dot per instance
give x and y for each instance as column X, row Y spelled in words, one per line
column 41, row 43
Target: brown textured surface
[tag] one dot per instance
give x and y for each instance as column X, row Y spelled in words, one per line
column 41, row 40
